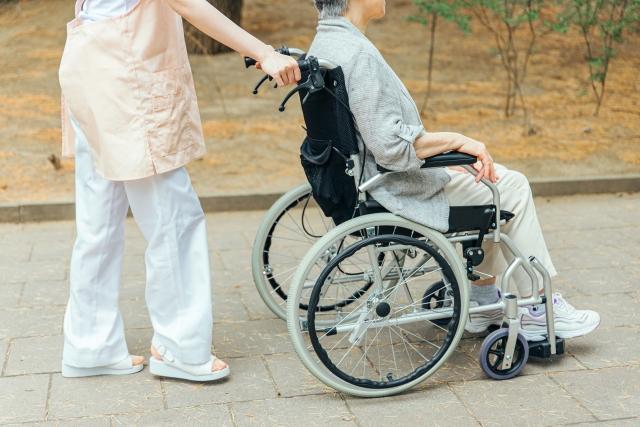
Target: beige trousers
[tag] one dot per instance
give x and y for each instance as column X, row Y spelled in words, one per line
column 524, row 229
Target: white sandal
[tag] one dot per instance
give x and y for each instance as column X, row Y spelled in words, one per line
column 170, row 367
column 123, row 367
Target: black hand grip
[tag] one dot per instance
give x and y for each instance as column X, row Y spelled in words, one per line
column 250, row 62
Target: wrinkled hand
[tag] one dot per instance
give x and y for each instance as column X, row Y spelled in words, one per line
column 485, row 166
column 284, row 69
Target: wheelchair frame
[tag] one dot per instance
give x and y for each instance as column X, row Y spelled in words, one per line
column 510, row 306
column 509, row 302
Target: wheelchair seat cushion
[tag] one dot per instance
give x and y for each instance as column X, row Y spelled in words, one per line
column 461, row 218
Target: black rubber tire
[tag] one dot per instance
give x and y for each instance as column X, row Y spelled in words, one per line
column 451, row 324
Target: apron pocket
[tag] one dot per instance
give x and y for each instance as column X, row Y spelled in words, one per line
column 168, row 110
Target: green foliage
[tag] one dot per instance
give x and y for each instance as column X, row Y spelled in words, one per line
column 602, row 23
column 449, row 10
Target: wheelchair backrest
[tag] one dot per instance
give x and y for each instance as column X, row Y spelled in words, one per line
column 331, row 141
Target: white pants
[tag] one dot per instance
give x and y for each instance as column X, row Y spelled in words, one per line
column 524, row 229
column 178, row 292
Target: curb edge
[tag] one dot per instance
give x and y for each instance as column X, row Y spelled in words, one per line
column 546, row 187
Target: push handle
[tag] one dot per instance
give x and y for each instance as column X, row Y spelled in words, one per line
column 250, row 62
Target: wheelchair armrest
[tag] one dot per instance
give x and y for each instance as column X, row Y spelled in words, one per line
column 452, row 158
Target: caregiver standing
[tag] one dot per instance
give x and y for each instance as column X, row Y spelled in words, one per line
column 131, row 119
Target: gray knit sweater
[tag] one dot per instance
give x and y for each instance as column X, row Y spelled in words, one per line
column 389, row 122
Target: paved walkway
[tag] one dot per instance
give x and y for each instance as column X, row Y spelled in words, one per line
column 595, row 242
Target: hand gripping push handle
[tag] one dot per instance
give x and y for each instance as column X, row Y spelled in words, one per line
column 312, row 66
column 250, row 62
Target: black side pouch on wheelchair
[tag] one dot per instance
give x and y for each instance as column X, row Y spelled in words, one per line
column 331, row 139
column 325, row 168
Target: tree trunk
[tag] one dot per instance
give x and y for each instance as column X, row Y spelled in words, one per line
column 200, row 43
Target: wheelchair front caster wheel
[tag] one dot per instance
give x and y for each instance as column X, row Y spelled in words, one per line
column 492, row 355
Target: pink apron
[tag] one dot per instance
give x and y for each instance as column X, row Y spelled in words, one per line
column 128, row 84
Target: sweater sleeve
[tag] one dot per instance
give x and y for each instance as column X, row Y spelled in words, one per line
column 377, row 109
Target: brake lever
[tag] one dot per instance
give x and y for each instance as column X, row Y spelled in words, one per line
column 260, row 83
column 314, row 83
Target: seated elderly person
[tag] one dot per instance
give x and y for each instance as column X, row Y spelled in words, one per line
column 391, row 129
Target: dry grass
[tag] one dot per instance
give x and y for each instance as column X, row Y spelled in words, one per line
column 254, row 148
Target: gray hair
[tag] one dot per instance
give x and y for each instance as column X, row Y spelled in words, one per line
column 331, row 8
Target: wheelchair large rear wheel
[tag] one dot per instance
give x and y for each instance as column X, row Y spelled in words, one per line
column 287, row 231
column 386, row 341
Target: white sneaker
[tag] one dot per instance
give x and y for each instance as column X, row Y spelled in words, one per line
column 569, row 322
column 480, row 322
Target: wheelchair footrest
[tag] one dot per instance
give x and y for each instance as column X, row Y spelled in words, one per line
column 542, row 349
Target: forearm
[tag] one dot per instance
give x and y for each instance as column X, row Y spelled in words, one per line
column 216, row 25
column 430, row 144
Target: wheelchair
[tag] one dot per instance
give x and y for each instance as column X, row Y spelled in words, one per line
column 376, row 303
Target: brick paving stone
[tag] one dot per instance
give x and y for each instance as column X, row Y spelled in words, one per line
column 614, row 311
column 135, row 314
column 10, row 294
column 527, row 400
column 557, row 219
column 45, row 293
column 52, row 250
column 134, row 246
column 215, row 260
column 4, row 347
column 263, row 364
column 209, row 415
column 608, row 393
column 626, row 236
column 249, row 380
column 228, row 240
column 435, row 406
column 607, row 347
column 20, row 272
column 600, row 281
column 237, row 260
column 139, row 341
column 255, row 306
column 133, row 266
column 47, row 230
column 225, row 284
column 69, row 422
column 308, row 411
column 79, row 397
column 35, row 355
column 292, row 378
column 23, row 398
column 252, row 338
column 565, row 362
column 462, row 366
column 225, row 281
column 623, row 422
column 25, row 322
column 15, row 251
column 586, row 213
column 132, row 287
column 234, row 222
column 594, row 257
column 228, row 307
